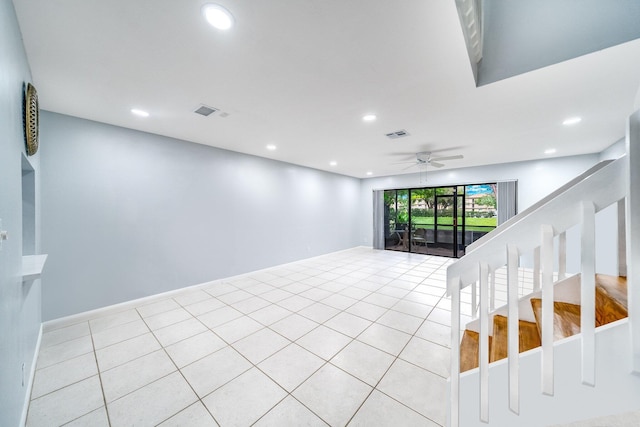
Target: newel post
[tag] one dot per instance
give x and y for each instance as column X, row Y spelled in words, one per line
column 588, row 292
column 633, row 235
column 546, row 267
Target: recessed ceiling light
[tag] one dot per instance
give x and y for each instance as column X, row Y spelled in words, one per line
column 369, row 173
column 333, row 163
column 140, row 113
column 369, row 117
column 217, row 16
column 572, row 121
column 550, row 151
column 271, row 147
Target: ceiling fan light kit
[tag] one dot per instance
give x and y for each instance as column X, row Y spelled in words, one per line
column 426, row 158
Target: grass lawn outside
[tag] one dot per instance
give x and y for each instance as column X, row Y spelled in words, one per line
column 471, row 224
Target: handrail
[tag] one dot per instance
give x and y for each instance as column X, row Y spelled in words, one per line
column 505, row 225
column 602, row 187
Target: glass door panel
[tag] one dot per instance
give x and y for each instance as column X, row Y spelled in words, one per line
column 480, row 210
column 461, row 243
column 421, row 208
column 445, row 223
column 396, row 220
column 391, row 239
column 402, row 219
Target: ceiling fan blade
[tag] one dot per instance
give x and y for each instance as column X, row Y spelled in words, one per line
column 436, row 164
column 415, row 164
column 459, row 156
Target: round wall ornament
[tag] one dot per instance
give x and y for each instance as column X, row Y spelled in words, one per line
column 31, row 113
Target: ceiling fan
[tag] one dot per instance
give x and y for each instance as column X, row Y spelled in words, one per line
column 425, row 158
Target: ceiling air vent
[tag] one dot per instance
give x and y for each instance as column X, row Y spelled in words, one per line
column 203, row 110
column 398, row 134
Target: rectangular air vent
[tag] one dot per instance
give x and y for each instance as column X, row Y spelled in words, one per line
column 203, row 110
column 398, row 134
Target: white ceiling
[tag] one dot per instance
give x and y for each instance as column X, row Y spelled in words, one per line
column 300, row 74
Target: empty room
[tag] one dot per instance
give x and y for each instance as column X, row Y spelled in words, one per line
column 291, row 213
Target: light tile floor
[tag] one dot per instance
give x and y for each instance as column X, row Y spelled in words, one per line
column 358, row 337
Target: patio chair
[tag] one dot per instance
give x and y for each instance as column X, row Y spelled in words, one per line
column 419, row 237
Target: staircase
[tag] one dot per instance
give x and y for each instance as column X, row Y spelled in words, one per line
column 569, row 350
column 610, row 303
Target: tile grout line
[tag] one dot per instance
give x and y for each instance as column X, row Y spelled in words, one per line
column 199, row 399
column 326, row 362
column 257, row 368
column 95, row 355
column 385, row 373
column 253, row 366
column 393, row 363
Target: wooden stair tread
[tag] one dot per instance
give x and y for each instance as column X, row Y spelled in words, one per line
column 470, row 350
column 469, row 347
column 528, row 337
column 616, row 287
column 611, row 305
column 611, row 299
column 566, row 318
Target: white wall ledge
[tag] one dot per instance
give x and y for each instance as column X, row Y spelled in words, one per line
column 32, row 266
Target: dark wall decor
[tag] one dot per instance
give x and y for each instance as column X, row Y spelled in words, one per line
column 31, row 112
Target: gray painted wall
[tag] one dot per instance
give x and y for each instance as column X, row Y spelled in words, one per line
column 129, row 214
column 535, row 179
column 19, row 304
column 521, row 36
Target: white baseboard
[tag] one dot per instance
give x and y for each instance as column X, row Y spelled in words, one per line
column 61, row 322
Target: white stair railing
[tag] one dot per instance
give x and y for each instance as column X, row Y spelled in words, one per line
column 574, row 204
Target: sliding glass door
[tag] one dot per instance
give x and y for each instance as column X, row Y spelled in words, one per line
column 438, row 220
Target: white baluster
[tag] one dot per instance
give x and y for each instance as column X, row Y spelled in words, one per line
column 588, row 292
column 536, row 269
column 562, row 255
column 454, row 396
column 546, row 265
column 484, row 342
column 513, row 326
